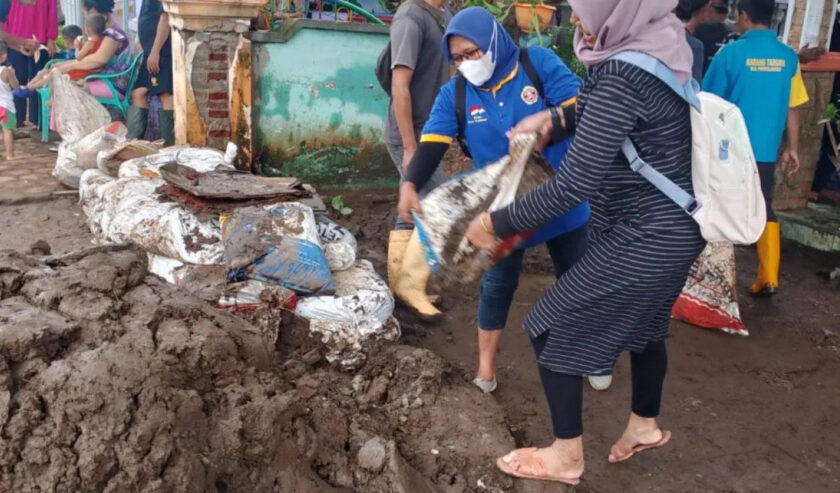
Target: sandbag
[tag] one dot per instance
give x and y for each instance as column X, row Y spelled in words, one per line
column 362, row 301
column 709, row 298
column 127, row 210
column 277, row 244
column 200, row 159
column 66, row 170
column 76, row 113
column 75, row 157
column 449, row 209
column 101, row 139
column 339, row 243
column 361, row 309
column 109, row 161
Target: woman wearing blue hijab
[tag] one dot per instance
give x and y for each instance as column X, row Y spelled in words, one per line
column 498, row 92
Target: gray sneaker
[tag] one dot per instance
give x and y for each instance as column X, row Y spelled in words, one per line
column 600, row 382
column 486, row 386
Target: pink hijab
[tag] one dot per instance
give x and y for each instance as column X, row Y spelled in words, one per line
column 647, row 26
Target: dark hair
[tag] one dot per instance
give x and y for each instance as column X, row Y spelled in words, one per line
column 102, row 6
column 71, row 31
column 96, row 23
column 687, row 8
column 759, row 11
column 4, row 47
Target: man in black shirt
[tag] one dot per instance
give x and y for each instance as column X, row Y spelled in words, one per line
column 155, row 77
column 716, row 32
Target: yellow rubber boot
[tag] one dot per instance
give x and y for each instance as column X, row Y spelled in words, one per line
column 413, row 277
column 769, row 255
column 397, row 243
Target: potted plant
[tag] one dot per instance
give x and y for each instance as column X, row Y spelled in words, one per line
column 533, row 15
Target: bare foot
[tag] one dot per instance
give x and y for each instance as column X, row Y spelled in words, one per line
column 10, row 157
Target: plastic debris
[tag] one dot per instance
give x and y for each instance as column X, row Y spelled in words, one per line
column 277, row 244
column 339, row 243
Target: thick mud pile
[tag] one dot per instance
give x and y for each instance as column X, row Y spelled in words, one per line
column 111, row 380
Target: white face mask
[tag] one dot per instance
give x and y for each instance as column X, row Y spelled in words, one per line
column 477, row 72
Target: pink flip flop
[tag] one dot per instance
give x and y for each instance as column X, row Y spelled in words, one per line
column 511, row 465
column 621, row 452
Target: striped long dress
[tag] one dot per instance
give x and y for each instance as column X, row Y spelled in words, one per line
column 618, row 297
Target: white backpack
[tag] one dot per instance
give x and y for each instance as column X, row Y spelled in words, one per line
column 727, row 203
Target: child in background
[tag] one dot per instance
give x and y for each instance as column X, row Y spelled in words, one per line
column 95, row 26
column 70, row 34
column 8, row 82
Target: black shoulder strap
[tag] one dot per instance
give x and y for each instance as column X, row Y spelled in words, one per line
column 461, row 103
column 531, row 71
column 461, row 112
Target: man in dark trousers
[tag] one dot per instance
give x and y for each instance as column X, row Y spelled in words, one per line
column 155, row 78
column 418, row 70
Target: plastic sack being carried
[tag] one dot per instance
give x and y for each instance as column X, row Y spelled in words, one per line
column 277, row 244
column 449, row 209
column 339, row 243
column 200, row 159
column 76, row 113
column 362, row 308
column 709, row 298
column 127, row 210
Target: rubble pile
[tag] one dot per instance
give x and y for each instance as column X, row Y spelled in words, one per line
column 248, row 238
column 113, row 380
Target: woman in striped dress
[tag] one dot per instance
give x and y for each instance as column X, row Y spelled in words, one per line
column 618, row 297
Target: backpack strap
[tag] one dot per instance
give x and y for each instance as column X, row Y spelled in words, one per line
column 653, row 66
column 529, row 69
column 673, row 191
column 461, row 112
column 688, row 92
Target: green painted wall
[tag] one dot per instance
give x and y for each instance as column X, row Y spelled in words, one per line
column 318, row 108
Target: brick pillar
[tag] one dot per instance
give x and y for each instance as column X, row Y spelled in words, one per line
column 205, row 36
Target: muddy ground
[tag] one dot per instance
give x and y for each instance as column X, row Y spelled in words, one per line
column 748, row 414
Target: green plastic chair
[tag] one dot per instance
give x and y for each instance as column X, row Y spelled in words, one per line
column 121, row 103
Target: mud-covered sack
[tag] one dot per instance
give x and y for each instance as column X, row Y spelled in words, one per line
column 102, row 139
column 73, row 158
column 339, row 243
column 109, row 161
column 66, row 170
column 449, row 209
column 76, row 113
column 709, row 298
column 278, row 244
column 361, row 309
column 251, row 294
column 201, row 159
column 127, row 210
column 362, row 300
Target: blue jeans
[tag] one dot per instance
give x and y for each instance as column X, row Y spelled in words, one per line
column 499, row 283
